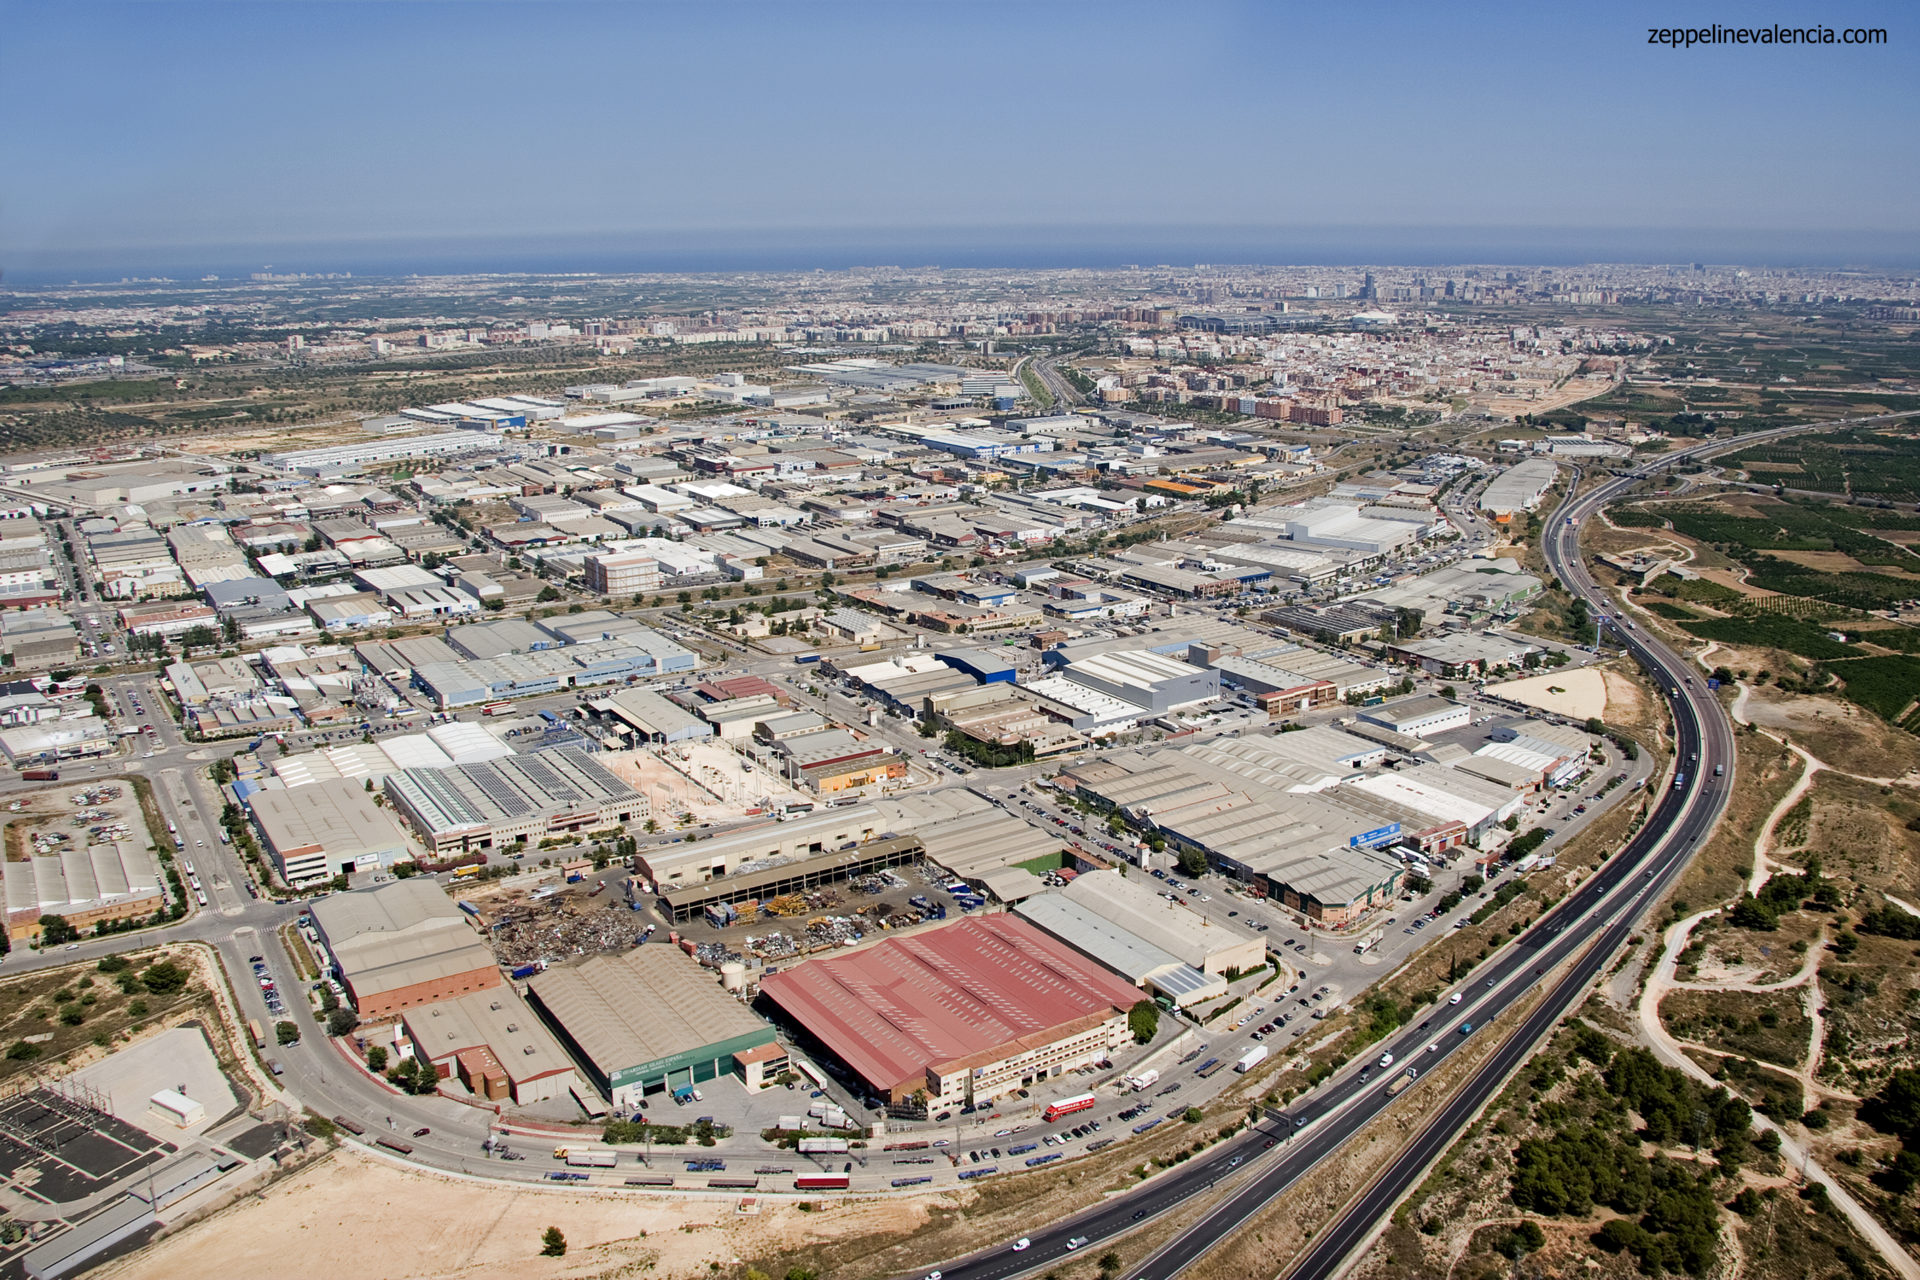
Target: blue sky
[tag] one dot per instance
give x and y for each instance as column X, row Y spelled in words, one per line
column 138, row 131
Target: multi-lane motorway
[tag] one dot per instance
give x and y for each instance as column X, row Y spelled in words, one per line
column 1557, row 960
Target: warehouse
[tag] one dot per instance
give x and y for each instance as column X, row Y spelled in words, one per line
column 969, row 836
column 1267, row 819
column 966, row 1012
column 401, row 945
column 1462, row 651
column 744, row 890
column 1126, row 953
column 641, row 715
column 512, row 800
column 834, row 760
column 1447, row 794
column 494, row 1045
column 1519, row 488
column 84, row 886
column 649, row 1019
column 771, row 843
column 1172, row 927
column 1152, row 681
column 330, row 828
column 1420, row 716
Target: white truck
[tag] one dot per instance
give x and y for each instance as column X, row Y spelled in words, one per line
column 1251, row 1058
column 1145, row 1080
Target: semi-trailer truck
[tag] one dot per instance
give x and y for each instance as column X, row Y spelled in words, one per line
column 1251, row 1058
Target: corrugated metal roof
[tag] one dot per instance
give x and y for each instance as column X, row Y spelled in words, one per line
column 975, row 990
column 650, row 1003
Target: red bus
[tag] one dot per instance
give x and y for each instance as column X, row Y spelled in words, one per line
column 821, row 1182
column 1067, row 1106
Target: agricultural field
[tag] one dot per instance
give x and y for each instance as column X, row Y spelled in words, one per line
column 1860, row 462
column 1769, row 630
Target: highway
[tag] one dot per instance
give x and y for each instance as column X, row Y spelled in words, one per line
column 1563, row 952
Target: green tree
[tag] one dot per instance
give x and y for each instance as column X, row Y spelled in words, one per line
column 377, row 1058
column 552, row 1243
column 341, row 1021
column 1193, row 862
column 286, row 1032
column 164, row 978
column 56, row 931
column 1143, row 1020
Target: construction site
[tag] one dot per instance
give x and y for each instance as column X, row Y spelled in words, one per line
column 696, row 783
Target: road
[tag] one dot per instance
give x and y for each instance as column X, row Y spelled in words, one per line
column 1568, row 948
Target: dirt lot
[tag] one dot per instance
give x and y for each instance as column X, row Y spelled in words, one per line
column 708, row 784
column 1844, row 736
column 1581, row 694
column 354, row 1214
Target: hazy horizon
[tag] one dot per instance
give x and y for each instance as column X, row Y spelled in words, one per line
column 984, row 249
column 175, row 137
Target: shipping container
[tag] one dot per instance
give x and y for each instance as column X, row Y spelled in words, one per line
column 581, row 1159
column 1251, row 1058
column 394, row 1144
column 1067, row 1106
column 823, row 1146
column 351, row 1126
column 821, row 1182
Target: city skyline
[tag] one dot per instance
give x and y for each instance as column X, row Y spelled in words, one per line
column 585, row 137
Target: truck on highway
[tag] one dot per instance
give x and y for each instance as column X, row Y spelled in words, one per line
column 820, row 1182
column 1251, row 1058
column 40, row 775
column 580, row 1158
column 1402, row 1081
column 1145, row 1080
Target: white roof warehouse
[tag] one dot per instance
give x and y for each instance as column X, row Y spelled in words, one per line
column 478, row 806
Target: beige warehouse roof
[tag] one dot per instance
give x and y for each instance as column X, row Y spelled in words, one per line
column 1170, row 926
column 650, row 1003
column 398, row 935
column 498, row 1019
column 336, row 815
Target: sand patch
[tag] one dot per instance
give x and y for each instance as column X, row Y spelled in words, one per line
column 351, row 1214
column 1580, row 694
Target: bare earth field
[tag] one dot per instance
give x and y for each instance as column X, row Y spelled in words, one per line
column 1579, row 694
column 353, row 1214
column 1839, row 733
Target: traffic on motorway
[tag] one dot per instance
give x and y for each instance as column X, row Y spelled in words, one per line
column 1556, row 959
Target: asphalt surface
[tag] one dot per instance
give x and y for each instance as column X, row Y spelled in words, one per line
column 1566, row 950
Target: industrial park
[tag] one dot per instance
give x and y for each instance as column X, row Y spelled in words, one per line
column 596, row 684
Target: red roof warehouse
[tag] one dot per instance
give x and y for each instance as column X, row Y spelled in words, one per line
column 975, row 1009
